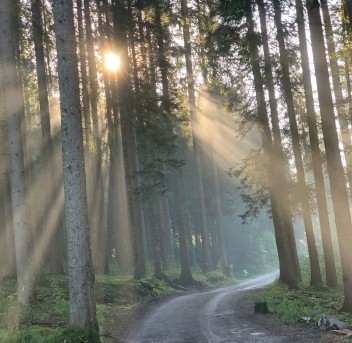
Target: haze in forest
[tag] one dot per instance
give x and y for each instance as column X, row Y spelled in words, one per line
column 187, row 135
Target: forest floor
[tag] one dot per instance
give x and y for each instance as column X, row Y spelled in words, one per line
column 214, row 316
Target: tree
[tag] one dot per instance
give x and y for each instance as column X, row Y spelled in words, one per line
column 303, row 191
column 14, row 109
column 338, row 92
column 331, row 142
column 196, row 142
column 127, row 117
column 81, row 274
column 176, row 175
column 282, row 217
column 47, row 150
column 330, row 268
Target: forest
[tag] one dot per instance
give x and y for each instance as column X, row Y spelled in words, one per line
column 199, row 136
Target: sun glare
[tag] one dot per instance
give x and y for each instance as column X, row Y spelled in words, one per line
column 112, row 61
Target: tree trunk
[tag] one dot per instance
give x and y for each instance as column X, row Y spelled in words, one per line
column 94, row 154
column 186, row 273
column 282, row 218
column 47, row 152
column 196, row 143
column 155, row 239
column 330, row 268
column 337, row 88
column 80, row 266
column 14, row 109
column 121, row 215
column 130, row 146
column 167, row 232
column 331, row 142
column 83, row 73
column 315, row 276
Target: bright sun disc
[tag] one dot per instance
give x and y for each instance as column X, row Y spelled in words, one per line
column 112, row 61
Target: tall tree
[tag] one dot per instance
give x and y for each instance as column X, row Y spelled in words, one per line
column 127, row 117
column 176, row 176
column 331, row 142
column 118, row 220
column 316, row 278
column 196, row 143
column 47, row 150
column 330, row 268
column 80, row 266
column 338, row 92
column 282, row 217
column 14, row 109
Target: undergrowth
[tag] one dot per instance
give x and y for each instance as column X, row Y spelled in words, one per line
column 291, row 305
column 46, row 319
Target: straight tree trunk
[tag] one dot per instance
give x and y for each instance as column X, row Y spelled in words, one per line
column 83, row 73
column 196, row 143
column 211, row 108
column 339, row 98
column 155, row 230
column 95, row 177
column 80, row 266
column 315, row 274
column 186, row 273
column 122, row 222
column 282, row 218
column 330, row 268
column 14, row 109
column 167, row 232
column 130, row 145
column 6, row 202
column 331, row 142
column 47, row 151
column 118, row 221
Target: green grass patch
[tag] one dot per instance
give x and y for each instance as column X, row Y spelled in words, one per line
column 46, row 319
column 290, row 305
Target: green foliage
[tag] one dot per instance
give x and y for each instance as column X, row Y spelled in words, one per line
column 213, row 279
column 46, row 320
column 61, row 305
column 306, row 301
column 129, row 292
column 78, row 335
column 36, row 334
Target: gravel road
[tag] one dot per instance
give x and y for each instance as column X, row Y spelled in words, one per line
column 221, row 315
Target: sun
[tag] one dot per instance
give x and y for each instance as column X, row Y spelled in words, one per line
column 112, row 61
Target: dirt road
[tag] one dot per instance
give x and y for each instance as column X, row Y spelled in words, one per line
column 221, row 315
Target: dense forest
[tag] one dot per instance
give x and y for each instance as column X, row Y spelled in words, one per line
column 198, row 134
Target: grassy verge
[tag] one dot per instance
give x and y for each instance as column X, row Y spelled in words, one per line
column 290, row 305
column 46, row 319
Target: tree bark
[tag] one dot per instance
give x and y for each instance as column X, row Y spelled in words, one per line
column 47, row 152
column 14, row 108
column 315, row 274
column 282, row 218
column 83, row 73
column 207, row 265
column 186, row 273
column 130, row 145
column 330, row 268
column 331, row 142
column 80, row 266
column 337, row 88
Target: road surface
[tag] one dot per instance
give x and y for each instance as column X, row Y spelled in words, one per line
column 213, row 316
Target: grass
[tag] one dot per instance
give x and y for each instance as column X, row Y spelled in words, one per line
column 290, row 305
column 46, row 319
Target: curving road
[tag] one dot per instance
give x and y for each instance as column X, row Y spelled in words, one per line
column 213, row 316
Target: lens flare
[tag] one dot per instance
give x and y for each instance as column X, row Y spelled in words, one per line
column 112, row 61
